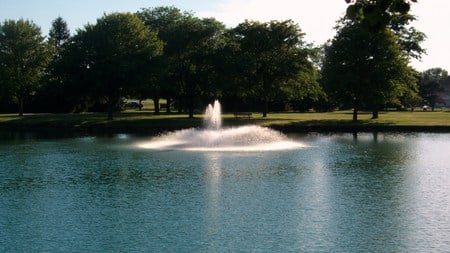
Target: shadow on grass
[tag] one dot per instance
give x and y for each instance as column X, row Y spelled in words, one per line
column 147, row 122
column 97, row 122
column 330, row 126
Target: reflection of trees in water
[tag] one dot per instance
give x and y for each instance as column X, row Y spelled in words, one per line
column 369, row 190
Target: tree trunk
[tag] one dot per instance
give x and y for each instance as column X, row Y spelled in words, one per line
column 110, row 108
column 355, row 114
column 355, row 110
column 168, row 102
column 191, row 107
column 140, row 103
column 180, row 104
column 156, row 105
column 375, row 114
column 266, row 107
column 20, row 106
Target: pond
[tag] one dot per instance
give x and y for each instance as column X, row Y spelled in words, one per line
column 386, row 192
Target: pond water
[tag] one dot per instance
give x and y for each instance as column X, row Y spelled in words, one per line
column 337, row 193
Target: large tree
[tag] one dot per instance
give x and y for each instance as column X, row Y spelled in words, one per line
column 366, row 64
column 23, row 58
column 112, row 56
column 432, row 83
column 272, row 54
column 52, row 96
column 228, row 67
column 365, row 70
column 163, row 20
column 186, row 58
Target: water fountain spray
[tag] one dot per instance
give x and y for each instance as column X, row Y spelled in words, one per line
column 213, row 137
column 213, row 116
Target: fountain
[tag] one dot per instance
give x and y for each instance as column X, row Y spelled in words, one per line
column 213, row 116
column 215, row 138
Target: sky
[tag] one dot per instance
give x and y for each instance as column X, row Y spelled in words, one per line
column 316, row 18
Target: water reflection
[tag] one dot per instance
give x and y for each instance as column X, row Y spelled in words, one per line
column 375, row 193
column 214, row 208
column 213, row 174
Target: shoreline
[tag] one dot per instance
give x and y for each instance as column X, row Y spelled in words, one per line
column 284, row 128
column 147, row 123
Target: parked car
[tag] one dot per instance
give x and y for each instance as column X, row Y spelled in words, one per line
column 133, row 105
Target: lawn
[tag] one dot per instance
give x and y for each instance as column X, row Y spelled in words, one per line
column 130, row 121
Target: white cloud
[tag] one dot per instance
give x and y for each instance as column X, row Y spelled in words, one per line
column 316, row 18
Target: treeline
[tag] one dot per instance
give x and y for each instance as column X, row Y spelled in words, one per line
column 164, row 53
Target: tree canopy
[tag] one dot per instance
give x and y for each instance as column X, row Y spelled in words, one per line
column 365, row 70
column 165, row 53
column 23, row 58
column 367, row 63
column 432, row 86
column 59, row 32
column 112, row 56
column 273, row 55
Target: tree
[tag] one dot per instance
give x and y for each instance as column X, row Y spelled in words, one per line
column 364, row 69
column 187, row 53
column 228, row 68
column 59, row 33
column 411, row 97
column 432, row 83
column 23, row 58
column 162, row 20
column 272, row 54
column 194, row 68
column 52, row 96
column 375, row 15
column 113, row 55
column 379, row 32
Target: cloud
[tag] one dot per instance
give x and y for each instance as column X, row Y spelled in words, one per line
column 316, row 18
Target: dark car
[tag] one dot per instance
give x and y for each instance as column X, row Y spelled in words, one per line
column 133, row 105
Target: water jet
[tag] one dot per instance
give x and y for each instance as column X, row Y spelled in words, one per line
column 213, row 137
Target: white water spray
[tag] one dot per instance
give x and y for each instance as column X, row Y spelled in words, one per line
column 215, row 138
column 213, row 116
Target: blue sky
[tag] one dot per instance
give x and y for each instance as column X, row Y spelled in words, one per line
column 315, row 17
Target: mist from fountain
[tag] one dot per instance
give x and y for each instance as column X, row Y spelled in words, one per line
column 213, row 116
column 215, row 138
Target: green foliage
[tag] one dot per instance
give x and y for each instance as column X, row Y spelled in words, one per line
column 272, row 55
column 364, row 69
column 59, row 33
column 375, row 15
column 165, row 53
column 163, row 21
column 23, row 58
column 432, row 83
column 110, row 57
column 366, row 64
column 188, row 59
column 51, row 96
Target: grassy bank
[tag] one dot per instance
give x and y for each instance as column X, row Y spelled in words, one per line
column 132, row 121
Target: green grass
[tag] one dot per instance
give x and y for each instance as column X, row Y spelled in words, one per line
column 146, row 121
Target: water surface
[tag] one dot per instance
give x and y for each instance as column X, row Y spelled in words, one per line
column 339, row 193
